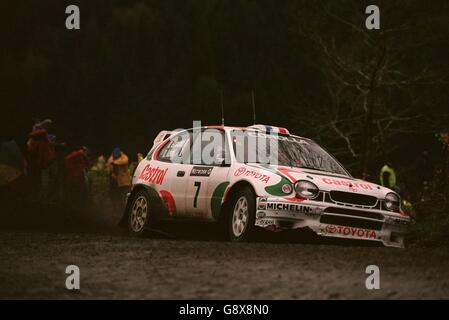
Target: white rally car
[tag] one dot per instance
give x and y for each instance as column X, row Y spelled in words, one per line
column 305, row 187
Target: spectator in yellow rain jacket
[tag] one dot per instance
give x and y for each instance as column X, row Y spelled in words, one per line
column 98, row 179
column 119, row 178
column 135, row 163
column 12, row 170
column 100, row 166
column 388, row 177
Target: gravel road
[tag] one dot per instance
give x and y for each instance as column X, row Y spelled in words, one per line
column 189, row 262
column 32, row 265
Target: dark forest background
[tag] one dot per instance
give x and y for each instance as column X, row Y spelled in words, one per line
column 137, row 67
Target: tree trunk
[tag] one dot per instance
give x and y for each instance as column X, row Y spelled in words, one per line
column 367, row 135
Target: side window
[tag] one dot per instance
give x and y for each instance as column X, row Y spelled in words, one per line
column 176, row 150
column 210, row 148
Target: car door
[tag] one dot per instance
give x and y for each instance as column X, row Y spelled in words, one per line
column 207, row 175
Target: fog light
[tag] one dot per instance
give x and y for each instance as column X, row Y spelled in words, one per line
column 287, row 188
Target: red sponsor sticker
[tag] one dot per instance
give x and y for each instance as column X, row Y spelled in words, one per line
column 242, row 171
column 153, row 174
column 352, row 185
column 351, row 232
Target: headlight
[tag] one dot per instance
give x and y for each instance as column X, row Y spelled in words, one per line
column 392, row 201
column 306, row 189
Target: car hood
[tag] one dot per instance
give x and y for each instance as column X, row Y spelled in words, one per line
column 327, row 181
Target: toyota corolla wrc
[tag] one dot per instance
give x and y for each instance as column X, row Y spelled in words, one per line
column 258, row 177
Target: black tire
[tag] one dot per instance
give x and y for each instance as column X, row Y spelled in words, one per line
column 237, row 229
column 139, row 214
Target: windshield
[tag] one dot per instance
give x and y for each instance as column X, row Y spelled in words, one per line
column 290, row 151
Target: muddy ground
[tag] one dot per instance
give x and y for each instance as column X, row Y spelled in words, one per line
column 190, row 263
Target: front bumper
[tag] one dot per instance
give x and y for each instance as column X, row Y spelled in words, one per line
column 332, row 220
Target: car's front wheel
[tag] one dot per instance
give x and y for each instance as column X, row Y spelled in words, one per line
column 241, row 215
column 139, row 214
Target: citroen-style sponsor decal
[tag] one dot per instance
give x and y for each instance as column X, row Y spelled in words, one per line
column 201, row 171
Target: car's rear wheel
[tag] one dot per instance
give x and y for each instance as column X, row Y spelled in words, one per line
column 241, row 215
column 139, row 214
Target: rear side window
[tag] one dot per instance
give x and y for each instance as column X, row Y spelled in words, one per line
column 177, row 149
column 204, row 147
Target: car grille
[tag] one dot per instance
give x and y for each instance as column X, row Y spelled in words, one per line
column 351, row 222
column 355, row 213
column 353, row 198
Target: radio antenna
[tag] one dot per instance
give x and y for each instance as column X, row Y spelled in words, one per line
column 254, row 106
column 222, row 108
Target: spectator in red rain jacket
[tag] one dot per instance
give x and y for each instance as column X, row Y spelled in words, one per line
column 40, row 148
column 76, row 164
column 41, row 156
